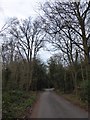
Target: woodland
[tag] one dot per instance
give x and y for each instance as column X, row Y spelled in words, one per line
column 65, row 27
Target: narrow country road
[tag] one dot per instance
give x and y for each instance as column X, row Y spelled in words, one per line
column 51, row 105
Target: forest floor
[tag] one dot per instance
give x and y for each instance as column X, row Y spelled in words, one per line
column 74, row 99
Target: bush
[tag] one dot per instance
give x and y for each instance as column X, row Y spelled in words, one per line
column 15, row 102
column 85, row 90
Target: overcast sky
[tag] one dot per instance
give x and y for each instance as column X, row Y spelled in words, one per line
column 18, row 8
column 21, row 9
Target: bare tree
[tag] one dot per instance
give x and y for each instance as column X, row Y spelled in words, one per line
column 10, row 22
column 29, row 40
column 67, row 25
column 59, row 18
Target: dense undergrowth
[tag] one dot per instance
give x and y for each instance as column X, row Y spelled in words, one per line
column 15, row 103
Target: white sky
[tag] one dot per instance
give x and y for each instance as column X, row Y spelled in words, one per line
column 18, row 8
column 21, row 9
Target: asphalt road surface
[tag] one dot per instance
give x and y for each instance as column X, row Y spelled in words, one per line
column 50, row 105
